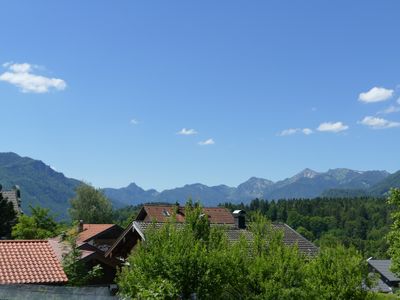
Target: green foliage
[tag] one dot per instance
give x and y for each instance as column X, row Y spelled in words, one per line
column 39, row 225
column 40, row 185
column 76, row 271
column 123, row 216
column 337, row 273
column 359, row 222
column 178, row 260
column 7, row 217
column 186, row 260
column 394, row 234
column 91, row 206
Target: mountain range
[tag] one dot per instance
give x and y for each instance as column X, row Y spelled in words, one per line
column 42, row 185
column 306, row 184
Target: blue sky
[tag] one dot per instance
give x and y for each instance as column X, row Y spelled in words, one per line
column 100, row 90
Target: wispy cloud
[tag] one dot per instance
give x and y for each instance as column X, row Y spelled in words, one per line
column 391, row 109
column 378, row 123
column 292, row 131
column 185, row 131
column 398, row 101
column 332, row 127
column 376, row 94
column 207, row 142
column 134, row 122
column 22, row 77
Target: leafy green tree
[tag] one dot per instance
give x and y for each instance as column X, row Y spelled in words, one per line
column 124, row 216
column 76, row 271
column 39, row 225
column 91, row 206
column 338, row 273
column 394, row 234
column 275, row 271
column 178, row 261
column 7, row 216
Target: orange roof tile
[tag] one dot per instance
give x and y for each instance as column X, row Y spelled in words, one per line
column 29, row 261
column 160, row 213
column 91, row 230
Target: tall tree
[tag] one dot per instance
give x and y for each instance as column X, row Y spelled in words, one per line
column 394, row 234
column 39, row 225
column 7, row 216
column 91, row 206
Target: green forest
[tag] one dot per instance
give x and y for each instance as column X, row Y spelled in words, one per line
column 360, row 222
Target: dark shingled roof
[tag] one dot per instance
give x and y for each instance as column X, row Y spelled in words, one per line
column 382, row 266
column 290, row 236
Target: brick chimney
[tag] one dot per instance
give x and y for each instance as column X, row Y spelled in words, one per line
column 80, row 226
column 240, row 218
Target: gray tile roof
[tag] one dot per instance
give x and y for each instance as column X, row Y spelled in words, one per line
column 290, row 236
column 39, row 292
column 382, row 266
column 381, row 287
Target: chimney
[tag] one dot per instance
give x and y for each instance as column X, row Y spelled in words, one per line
column 80, row 226
column 240, row 218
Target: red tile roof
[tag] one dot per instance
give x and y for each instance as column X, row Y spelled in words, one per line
column 91, row 230
column 29, row 261
column 160, row 213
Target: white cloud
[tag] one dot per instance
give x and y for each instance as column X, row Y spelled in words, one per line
column 21, row 76
column 134, row 122
column 398, row 101
column 307, row 131
column 207, row 142
column 378, row 123
column 185, row 131
column 332, row 127
column 389, row 110
column 376, row 94
column 291, row 131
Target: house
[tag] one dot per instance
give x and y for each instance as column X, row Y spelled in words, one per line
column 234, row 225
column 13, row 196
column 40, row 261
column 387, row 281
column 30, row 262
column 93, row 240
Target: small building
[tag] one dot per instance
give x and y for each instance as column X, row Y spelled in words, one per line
column 234, row 225
column 13, row 196
column 387, row 281
column 93, row 240
column 30, row 262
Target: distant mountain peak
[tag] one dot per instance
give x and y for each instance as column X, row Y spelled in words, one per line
column 258, row 179
column 306, row 173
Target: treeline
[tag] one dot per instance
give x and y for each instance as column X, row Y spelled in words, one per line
column 197, row 261
column 360, row 222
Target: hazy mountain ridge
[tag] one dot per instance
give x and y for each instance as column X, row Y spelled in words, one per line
column 42, row 185
column 306, row 184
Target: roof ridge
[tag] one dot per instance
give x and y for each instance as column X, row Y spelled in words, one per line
column 24, row 241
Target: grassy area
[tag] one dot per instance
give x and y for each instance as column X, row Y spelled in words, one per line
column 381, row 296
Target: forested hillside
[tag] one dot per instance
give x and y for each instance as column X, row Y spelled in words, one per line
column 39, row 183
column 362, row 222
